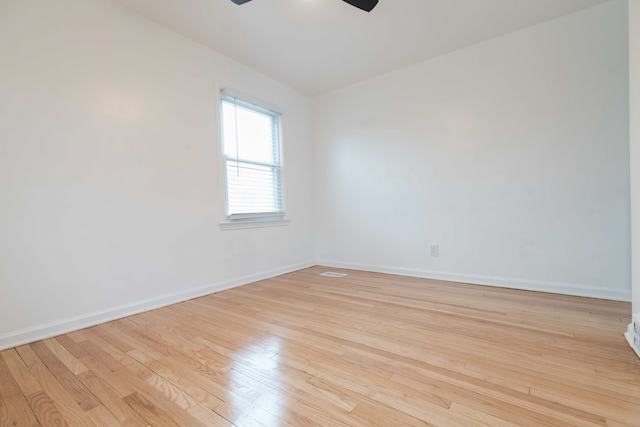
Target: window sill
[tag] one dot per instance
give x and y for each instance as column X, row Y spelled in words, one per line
column 253, row 224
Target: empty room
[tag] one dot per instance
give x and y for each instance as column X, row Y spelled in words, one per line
column 320, row 213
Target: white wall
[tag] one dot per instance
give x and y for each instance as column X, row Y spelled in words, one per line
column 512, row 155
column 111, row 196
column 634, row 73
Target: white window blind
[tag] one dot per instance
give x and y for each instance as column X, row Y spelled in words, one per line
column 251, row 148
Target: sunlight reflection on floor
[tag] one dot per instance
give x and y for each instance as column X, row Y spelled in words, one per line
column 256, row 371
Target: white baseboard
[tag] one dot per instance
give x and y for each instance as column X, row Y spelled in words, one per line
column 51, row 329
column 502, row 282
column 633, row 334
column 63, row 326
column 629, row 336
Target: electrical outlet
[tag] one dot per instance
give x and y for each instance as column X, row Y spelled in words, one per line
column 435, row 251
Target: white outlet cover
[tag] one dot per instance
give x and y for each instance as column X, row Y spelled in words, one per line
column 434, row 251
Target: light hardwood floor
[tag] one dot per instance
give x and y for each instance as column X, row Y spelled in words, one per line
column 367, row 349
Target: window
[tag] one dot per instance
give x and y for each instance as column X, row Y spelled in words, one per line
column 251, row 149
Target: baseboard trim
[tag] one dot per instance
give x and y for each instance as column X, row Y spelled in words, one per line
column 52, row 329
column 633, row 334
column 630, row 339
column 501, row 282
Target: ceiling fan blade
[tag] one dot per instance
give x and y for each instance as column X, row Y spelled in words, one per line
column 367, row 5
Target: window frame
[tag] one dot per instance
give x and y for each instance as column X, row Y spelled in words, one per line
column 253, row 219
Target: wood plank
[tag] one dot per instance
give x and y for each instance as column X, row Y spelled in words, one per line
column 102, row 417
column 72, row 346
column 29, row 358
column 74, row 365
column 122, row 388
column 28, row 385
column 8, row 385
column 153, row 415
column 45, row 410
column 61, row 397
column 122, row 412
column 186, row 401
column 5, row 418
column 204, row 397
column 14, row 401
column 20, row 411
column 65, row 377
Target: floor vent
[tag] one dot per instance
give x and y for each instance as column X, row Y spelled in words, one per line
column 333, row 274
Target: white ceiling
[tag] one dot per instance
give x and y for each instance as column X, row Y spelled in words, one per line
column 319, row 45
